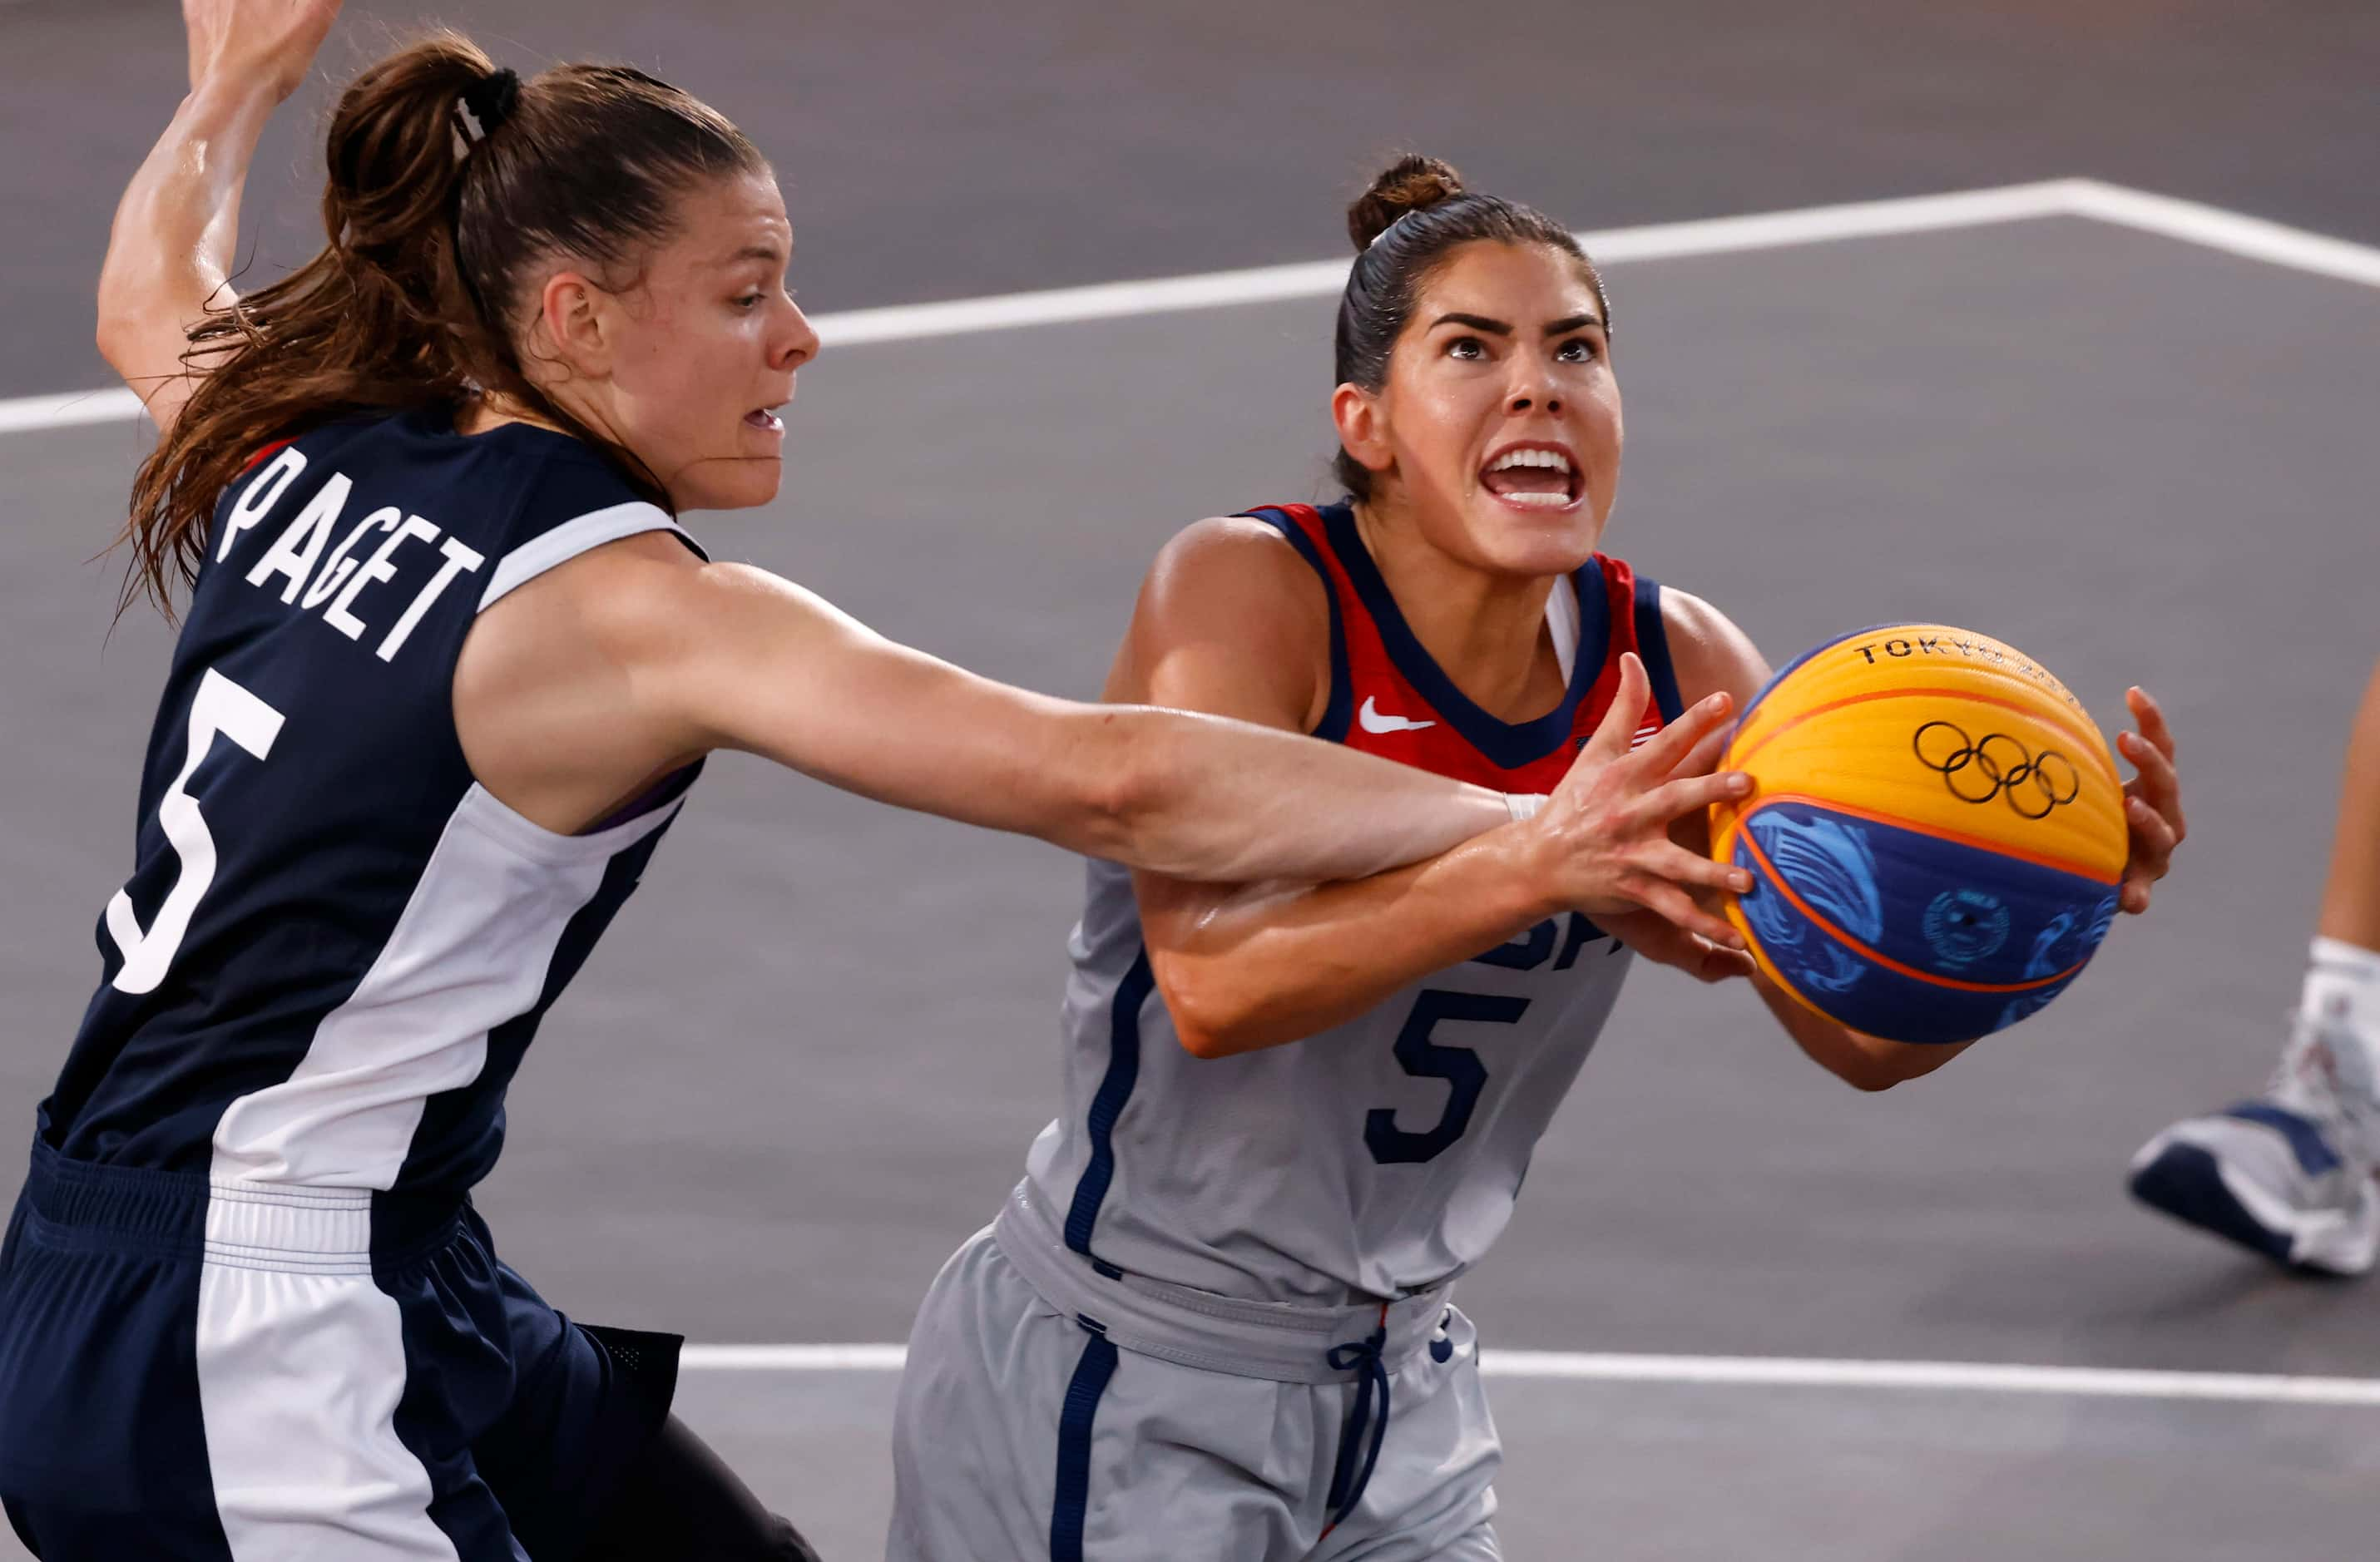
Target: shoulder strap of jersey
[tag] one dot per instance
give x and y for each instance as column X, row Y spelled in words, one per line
column 1302, row 525
column 573, row 501
column 1637, row 626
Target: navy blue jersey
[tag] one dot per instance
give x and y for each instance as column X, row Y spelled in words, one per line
column 335, row 945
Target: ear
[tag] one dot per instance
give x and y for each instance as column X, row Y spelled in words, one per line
column 574, row 319
column 1362, row 427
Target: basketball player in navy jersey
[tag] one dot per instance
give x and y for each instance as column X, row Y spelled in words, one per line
column 449, row 666
column 1213, row 1322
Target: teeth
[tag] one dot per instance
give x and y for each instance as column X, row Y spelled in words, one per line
column 1549, row 458
column 1537, row 501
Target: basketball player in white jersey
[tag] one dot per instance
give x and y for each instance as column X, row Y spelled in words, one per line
column 1212, row 1324
column 449, row 668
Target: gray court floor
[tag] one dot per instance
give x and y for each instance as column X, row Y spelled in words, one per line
column 809, row 1056
column 1622, row 1470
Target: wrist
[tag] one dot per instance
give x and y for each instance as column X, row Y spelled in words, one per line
column 1526, row 867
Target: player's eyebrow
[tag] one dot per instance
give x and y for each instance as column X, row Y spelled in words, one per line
column 1572, row 322
column 1477, row 322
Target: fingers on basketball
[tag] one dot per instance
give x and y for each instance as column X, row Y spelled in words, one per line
column 1666, row 751
column 1673, row 904
column 1679, row 865
column 1676, row 799
column 2151, row 716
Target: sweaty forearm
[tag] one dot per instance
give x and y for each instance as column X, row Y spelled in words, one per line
column 1254, row 967
column 171, row 248
column 1212, row 800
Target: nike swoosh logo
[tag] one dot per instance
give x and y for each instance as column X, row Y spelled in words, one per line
column 1373, row 722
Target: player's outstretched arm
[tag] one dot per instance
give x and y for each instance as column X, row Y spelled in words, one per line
column 802, row 682
column 635, row 658
column 169, row 254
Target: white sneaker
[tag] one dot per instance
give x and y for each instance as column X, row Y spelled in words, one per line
column 2288, row 1174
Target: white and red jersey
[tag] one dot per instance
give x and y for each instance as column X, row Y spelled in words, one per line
column 1381, row 1157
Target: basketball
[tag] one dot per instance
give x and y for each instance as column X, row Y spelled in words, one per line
column 1935, row 832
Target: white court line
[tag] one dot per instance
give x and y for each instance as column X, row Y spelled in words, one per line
column 2234, row 233
column 27, row 415
column 1781, row 1371
column 1313, row 279
column 2188, row 221
column 1323, row 279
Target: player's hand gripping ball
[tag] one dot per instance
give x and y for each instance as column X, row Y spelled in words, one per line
column 1936, row 833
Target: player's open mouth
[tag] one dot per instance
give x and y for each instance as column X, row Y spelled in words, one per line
column 765, row 418
column 1538, row 478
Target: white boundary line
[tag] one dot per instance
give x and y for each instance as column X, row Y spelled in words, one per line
column 27, row 415
column 1323, row 279
column 2188, row 221
column 2234, row 233
column 1781, row 1371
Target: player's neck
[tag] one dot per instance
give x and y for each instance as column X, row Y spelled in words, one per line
column 482, row 413
column 1484, row 629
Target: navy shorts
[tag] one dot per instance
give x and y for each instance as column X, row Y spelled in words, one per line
column 245, row 1371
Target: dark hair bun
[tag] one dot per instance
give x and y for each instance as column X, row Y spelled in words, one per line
column 1413, row 183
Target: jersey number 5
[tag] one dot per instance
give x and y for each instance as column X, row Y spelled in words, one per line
column 219, row 706
column 1465, row 1074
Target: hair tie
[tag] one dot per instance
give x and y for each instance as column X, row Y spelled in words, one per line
column 490, row 101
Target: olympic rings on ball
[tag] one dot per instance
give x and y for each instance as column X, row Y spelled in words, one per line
column 1976, row 770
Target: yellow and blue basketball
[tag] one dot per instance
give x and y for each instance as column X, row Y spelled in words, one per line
column 1935, row 832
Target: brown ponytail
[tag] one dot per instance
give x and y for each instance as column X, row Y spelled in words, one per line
column 434, row 217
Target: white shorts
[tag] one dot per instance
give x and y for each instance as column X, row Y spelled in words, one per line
column 1022, row 1433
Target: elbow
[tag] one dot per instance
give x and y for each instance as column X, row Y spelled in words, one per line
column 1868, row 1079
column 1206, row 1022
column 1204, row 1034
column 112, row 337
column 119, row 300
column 1204, row 1045
column 126, row 335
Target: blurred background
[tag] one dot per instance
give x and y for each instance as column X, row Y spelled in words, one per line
column 938, row 150
column 807, row 1059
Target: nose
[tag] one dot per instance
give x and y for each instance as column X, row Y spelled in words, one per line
column 1534, row 385
column 797, row 343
